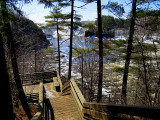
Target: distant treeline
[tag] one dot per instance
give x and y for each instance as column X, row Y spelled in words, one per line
column 109, row 25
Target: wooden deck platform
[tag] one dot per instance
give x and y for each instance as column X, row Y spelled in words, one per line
column 70, row 104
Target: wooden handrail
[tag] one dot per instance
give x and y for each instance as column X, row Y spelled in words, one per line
column 39, row 114
column 92, row 110
column 77, row 94
column 45, row 111
column 105, row 111
column 70, row 87
column 59, row 80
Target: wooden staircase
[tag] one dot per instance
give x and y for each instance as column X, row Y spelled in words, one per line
column 64, row 108
column 66, row 102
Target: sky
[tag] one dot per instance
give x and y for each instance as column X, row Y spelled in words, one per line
column 36, row 12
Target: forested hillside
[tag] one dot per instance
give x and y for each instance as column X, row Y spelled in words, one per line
column 27, row 36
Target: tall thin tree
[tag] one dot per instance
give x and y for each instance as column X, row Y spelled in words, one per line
column 128, row 54
column 99, row 95
column 71, row 40
column 56, row 18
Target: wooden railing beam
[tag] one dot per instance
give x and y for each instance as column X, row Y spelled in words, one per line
column 91, row 110
column 140, row 111
column 39, row 114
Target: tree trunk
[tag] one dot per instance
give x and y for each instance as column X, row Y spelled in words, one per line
column 59, row 55
column 71, row 37
column 99, row 95
column 148, row 98
column 128, row 55
column 17, row 79
column 8, row 33
column 35, row 60
column 7, row 98
column 91, row 89
column 158, row 83
column 82, row 73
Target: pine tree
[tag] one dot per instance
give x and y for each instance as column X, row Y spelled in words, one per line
column 100, row 74
column 99, row 95
column 128, row 55
column 71, row 41
column 57, row 19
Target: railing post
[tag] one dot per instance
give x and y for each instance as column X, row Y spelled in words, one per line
column 41, row 94
column 46, row 110
column 41, row 98
column 49, row 113
column 60, row 82
column 57, row 82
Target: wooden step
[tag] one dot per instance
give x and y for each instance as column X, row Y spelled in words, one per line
column 64, row 107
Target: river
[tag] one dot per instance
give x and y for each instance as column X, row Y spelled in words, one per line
column 78, row 42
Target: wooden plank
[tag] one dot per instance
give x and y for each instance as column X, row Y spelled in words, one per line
column 44, row 75
column 38, row 115
column 95, row 115
column 78, row 92
column 88, row 118
column 96, row 106
column 66, row 87
column 92, row 114
column 69, row 89
column 67, row 84
column 66, row 93
column 56, row 84
column 41, row 94
column 59, row 80
column 76, row 98
column 55, row 79
column 80, row 107
column 141, row 111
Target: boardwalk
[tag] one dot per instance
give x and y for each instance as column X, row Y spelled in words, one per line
column 70, row 104
column 64, row 107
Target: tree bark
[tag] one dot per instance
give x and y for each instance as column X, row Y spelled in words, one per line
column 82, row 73
column 35, row 60
column 148, row 98
column 59, row 54
column 128, row 55
column 7, row 99
column 99, row 95
column 71, row 38
column 17, row 79
column 8, row 34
